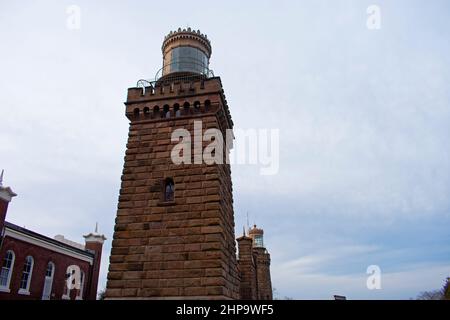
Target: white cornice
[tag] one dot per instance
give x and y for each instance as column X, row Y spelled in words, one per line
column 95, row 237
column 6, row 193
column 46, row 245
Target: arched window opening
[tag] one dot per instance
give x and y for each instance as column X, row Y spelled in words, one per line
column 66, row 291
column 80, row 291
column 156, row 113
column 197, row 106
column 176, row 108
column 6, row 271
column 186, row 108
column 146, row 111
column 169, row 190
column 136, row 112
column 26, row 275
column 48, row 281
column 207, row 105
column 166, row 111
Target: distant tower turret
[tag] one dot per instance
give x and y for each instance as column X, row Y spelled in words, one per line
column 6, row 195
column 262, row 261
column 257, row 235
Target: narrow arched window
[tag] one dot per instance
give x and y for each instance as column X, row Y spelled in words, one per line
column 80, row 291
column 156, row 113
column 136, row 113
column 197, row 106
column 207, row 105
column 6, row 271
column 169, row 190
column 186, row 108
column 26, row 275
column 66, row 290
column 166, row 111
column 176, row 108
column 146, row 111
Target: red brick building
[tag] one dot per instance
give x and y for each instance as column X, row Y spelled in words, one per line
column 36, row 267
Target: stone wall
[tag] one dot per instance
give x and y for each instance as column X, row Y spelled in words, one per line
column 183, row 248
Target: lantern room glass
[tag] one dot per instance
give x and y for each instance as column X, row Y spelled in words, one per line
column 188, row 59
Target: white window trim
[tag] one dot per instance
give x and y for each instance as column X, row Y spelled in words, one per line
column 8, row 281
column 80, row 291
column 26, row 291
column 52, row 276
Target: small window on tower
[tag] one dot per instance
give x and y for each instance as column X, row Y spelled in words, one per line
column 207, row 105
column 156, row 113
column 176, row 108
column 196, row 106
column 136, row 112
column 6, row 269
column 169, row 189
column 166, row 111
column 186, row 108
column 26, row 275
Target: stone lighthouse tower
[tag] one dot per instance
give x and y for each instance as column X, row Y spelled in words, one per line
column 174, row 231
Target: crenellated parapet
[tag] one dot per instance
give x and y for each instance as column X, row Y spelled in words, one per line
column 188, row 35
column 178, row 98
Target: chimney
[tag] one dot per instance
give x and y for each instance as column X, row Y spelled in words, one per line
column 6, row 194
column 94, row 242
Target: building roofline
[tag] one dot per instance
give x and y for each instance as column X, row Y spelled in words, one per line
column 12, row 226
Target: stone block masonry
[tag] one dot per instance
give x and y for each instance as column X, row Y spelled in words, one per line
column 183, row 248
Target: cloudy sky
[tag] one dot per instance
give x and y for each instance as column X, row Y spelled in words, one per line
column 364, row 120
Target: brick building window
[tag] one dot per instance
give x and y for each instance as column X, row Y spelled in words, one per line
column 26, row 275
column 6, row 271
column 70, row 281
column 48, row 281
column 169, row 189
column 207, row 105
column 80, row 291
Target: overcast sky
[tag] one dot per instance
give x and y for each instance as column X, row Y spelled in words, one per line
column 364, row 120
